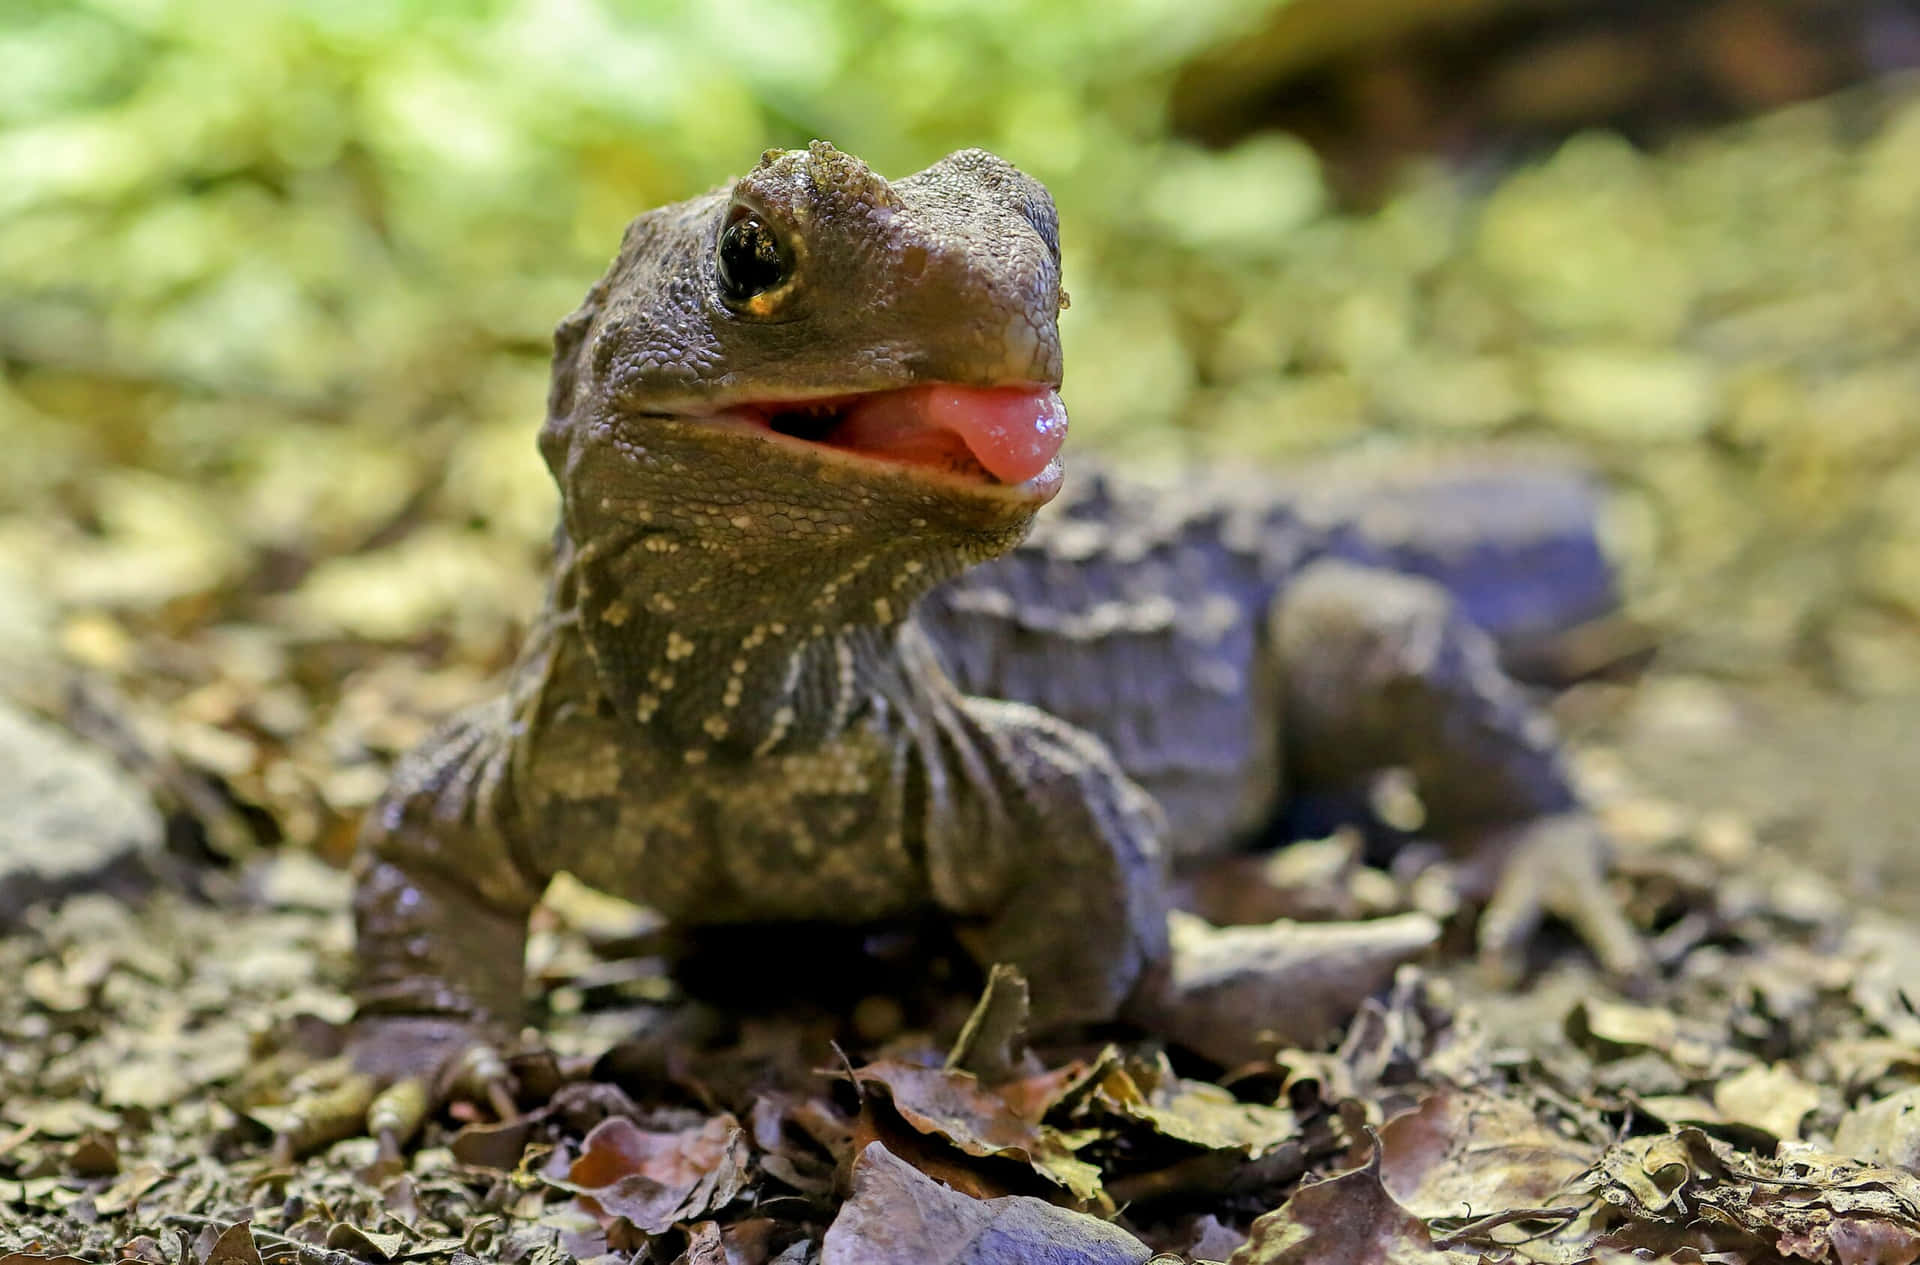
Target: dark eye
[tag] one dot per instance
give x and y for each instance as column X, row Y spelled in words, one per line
column 750, row 261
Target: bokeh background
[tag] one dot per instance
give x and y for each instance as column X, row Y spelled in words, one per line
column 277, row 279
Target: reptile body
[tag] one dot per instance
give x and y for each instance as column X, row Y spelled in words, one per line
column 801, row 660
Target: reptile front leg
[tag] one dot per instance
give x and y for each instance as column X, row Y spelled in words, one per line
column 1071, row 864
column 1052, row 860
column 440, row 912
column 1382, row 671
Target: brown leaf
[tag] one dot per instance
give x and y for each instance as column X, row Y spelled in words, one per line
column 994, row 1038
column 1462, row 1149
column 1301, row 980
column 1350, row 1219
column 1857, row 1241
column 1197, row 1113
column 1810, row 1205
column 94, row 1155
column 1771, row 1099
column 235, row 1246
column 1610, row 1029
column 956, row 1107
column 1884, row 1131
column 347, row 1237
column 898, row 1214
column 497, row 1144
column 655, row 1179
column 704, row 1246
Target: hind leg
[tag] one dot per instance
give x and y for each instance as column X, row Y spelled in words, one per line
column 1382, row 671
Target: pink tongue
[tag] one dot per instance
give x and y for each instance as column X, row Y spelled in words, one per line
column 1011, row 431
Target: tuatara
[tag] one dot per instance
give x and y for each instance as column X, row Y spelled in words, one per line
column 802, row 659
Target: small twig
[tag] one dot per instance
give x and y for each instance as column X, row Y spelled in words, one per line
column 1477, row 1230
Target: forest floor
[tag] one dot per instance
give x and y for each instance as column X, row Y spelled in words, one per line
column 260, row 631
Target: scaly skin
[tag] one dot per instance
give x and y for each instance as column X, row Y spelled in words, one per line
column 736, row 709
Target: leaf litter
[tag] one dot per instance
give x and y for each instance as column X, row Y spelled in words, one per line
column 222, row 637
column 1452, row 1122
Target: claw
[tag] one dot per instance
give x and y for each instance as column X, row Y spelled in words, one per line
column 397, row 1071
column 1557, row 865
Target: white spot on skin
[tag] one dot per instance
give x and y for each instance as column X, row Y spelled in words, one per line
column 694, row 755
column 883, row 610
column 678, row 648
column 662, row 603
column 843, row 688
column 716, row 726
column 782, row 720
column 616, row 614
column 645, row 706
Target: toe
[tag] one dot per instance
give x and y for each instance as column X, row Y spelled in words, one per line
column 329, row 1105
column 480, row 1075
column 396, row 1113
column 1559, row 867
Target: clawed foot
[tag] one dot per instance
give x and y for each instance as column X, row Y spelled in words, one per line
column 1557, row 866
column 396, row 1071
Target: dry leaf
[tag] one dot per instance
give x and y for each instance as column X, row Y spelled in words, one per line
column 897, row 1214
column 1772, row 1099
column 235, row 1246
column 1350, row 1219
column 1198, row 1113
column 1461, row 1149
column 1886, row 1131
column 655, row 1179
column 978, row 1121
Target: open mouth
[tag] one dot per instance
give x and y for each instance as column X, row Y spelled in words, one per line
column 993, row 435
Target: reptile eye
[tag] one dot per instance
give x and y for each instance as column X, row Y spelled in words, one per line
column 751, row 260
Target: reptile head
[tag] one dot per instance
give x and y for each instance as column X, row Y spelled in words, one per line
column 816, row 377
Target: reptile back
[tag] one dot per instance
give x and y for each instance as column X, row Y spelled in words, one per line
column 1138, row 610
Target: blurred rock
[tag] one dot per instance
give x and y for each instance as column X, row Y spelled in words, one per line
column 70, row 819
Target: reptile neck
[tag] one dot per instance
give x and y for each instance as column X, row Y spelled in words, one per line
column 721, row 689
column 733, row 692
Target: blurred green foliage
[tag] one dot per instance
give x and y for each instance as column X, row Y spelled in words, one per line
column 276, row 283
column 318, row 204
